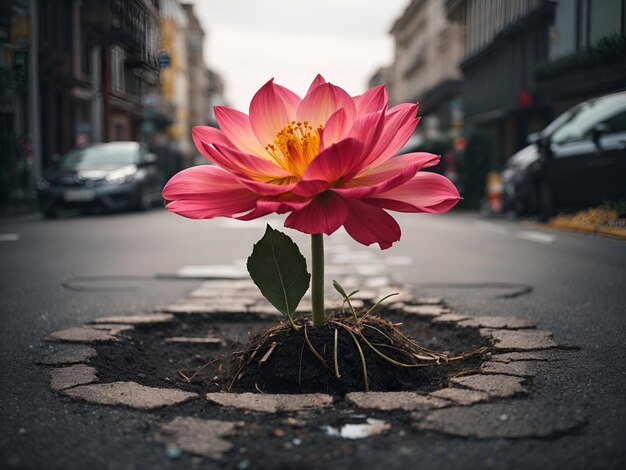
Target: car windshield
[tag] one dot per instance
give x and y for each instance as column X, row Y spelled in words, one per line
column 578, row 123
column 104, row 156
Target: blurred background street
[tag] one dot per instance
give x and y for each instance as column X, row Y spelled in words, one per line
column 490, row 77
column 524, row 100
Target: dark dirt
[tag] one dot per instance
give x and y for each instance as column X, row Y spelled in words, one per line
column 291, row 368
column 303, row 362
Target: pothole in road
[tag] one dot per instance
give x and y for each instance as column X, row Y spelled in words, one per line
column 185, row 354
column 197, row 352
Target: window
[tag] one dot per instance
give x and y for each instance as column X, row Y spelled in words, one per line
column 598, row 19
column 85, row 53
column 563, row 31
column 584, row 118
column 118, row 79
column 102, row 155
column 605, row 18
column 617, row 123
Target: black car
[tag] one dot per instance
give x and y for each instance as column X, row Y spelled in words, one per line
column 579, row 160
column 111, row 176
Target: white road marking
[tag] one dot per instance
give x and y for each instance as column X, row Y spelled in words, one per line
column 9, row 237
column 370, row 269
column 533, row 236
column 250, row 224
column 492, row 227
column 399, row 260
column 213, row 271
column 353, row 256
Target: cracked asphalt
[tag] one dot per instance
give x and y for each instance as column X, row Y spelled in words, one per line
column 570, row 284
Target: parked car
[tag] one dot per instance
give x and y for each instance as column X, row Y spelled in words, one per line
column 518, row 181
column 111, row 176
column 579, row 160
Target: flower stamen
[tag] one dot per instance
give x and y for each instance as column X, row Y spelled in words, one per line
column 295, row 146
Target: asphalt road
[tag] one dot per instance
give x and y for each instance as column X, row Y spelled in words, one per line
column 61, row 273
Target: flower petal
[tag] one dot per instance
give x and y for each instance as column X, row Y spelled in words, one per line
column 374, row 99
column 205, row 191
column 335, row 129
column 262, row 188
column 236, row 127
column 392, row 173
column 270, row 206
column 400, row 124
column 324, row 214
column 322, row 102
column 368, row 129
column 425, row 192
column 317, row 81
column 269, row 112
column 337, row 162
column 290, row 99
column 242, row 163
column 368, row 224
column 208, row 135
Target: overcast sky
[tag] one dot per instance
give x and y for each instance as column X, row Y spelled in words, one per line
column 251, row 41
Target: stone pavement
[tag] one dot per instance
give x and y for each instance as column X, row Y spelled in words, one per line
column 484, row 404
column 520, row 352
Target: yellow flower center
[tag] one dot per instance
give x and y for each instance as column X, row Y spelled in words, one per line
column 294, row 147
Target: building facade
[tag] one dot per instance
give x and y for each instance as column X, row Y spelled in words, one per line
column 17, row 114
column 97, row 59
column 382, row 76
column 131, row 68
column 75, row 72
column 586, row 52
column 174, row 80
column 526, row 61
column 428, row 50
column 215, row 94
column 198, row 78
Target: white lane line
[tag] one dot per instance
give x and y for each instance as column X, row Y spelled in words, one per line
column 399, row 261
column 250, row 224
column 533, row 236
column 9, row 237
column 492, row 227
column 221, row 271
column 354, row 256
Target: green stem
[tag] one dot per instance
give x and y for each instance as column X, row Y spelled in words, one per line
column 317, row 279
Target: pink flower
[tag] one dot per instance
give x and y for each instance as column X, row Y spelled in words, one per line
column 326, row 159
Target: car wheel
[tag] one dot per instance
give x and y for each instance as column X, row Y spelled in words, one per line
column 519, row 208
column 547, row 207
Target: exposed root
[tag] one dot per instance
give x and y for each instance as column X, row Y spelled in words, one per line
column 335, row 353
column 257, row 342
column 210, row 363
column 372, row 337
column 182, row 374
column 269, row 352
column 363, row 363
column 313, row 350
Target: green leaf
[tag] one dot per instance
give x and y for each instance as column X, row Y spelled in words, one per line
column 346, row 298
column 279, row 270
column 340, row 289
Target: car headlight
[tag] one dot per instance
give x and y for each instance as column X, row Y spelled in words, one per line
column 121, row 175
